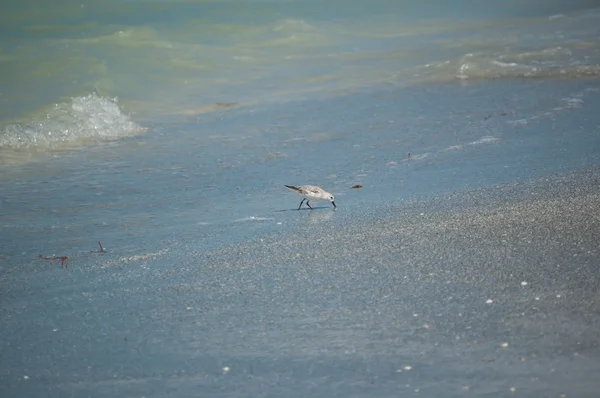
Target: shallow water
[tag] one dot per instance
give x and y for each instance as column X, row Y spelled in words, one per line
column 228, row 186
column 177, row 59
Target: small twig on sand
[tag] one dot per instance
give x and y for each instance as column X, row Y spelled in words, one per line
column 62, row 259
column 98, row 251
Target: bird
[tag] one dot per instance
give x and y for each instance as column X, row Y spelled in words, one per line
column 312, row 192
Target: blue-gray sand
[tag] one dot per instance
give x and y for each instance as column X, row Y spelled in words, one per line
column 476, row 293
column 470, row 268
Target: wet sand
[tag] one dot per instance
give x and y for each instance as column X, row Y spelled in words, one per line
column 478, row 293
column 470, row 269
column 489, row 292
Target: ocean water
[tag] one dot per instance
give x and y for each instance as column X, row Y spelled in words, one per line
column 63, row 67
column 166, row 130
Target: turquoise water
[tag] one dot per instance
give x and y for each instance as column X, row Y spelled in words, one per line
column 181, row 59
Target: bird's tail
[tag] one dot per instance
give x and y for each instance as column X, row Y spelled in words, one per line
column 293, row 187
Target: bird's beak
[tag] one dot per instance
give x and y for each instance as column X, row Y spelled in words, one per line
column 333, row 203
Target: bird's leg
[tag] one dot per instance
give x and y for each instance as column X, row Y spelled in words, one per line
column 308, row 205
column 301, row 203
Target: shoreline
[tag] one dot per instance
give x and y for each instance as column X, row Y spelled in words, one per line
column 491, row 287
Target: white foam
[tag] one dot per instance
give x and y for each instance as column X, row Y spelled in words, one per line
column 485, row 140
column 253, row 218
column 84, row 119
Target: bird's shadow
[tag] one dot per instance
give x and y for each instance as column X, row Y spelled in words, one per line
column 304, row 208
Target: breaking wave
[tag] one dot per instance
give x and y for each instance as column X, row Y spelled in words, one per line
column 91, row 118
